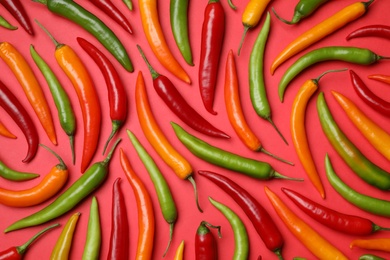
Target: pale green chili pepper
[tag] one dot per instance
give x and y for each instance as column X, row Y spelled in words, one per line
column 4, row 23
column 93, row 240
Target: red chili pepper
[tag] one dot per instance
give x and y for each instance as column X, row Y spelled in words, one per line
column 205, row 244
column 376, row 30
column 213, row 32
column 113, row 12
column 19, row 114
column 16, row 9
column 117, row 97
column 378, row 104
column 261, row 220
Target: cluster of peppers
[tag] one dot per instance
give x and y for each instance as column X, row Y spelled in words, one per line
column 211, row 45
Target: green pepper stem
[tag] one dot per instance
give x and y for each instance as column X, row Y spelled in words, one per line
column 246, row 28
column 71, row 141
column 108, row 158
column 191, row 179
column 316, row 80
column 232, row 5
column 283, row 20
column 207, row 224
column 151, row 69
column 377, row 228
column 278, row 252
column 41, row 1
column 56, row 43
column 367, row 4
column 280, row 176
column 171, row 226
column 115, row 126
column 22, row 249
column 275, row 157
column 62, row 163
column 277, row 129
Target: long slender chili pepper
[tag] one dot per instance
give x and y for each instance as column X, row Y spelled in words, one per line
column 241, row 241
column 213, row 32
column 5, row 24
column 18, row 113
column 321, row 30
column 94, row 237
column 164, row 195
column 23, row 72
column 370, row 204
column 381, row 244
column 82, row 82
column 378, row 104
column 18, row 252
column 47, row 188
column 60, row 97
column 354, row 55
column 345, row 223
column 311, row 239
column 5, row 132
column 12, row 175
column 251, row 167
column 146, row 222
column 205, row 244
column 119, row 238
column 179, row 251
column 380, row 77
column 92, row 179
column 158, row 140
column 375, row 30
column 62, row 247
column 361, row 165
column 261, row 220
column 176, row 102
column 370, row 257
column 156, row 39
column 16, row 9
column 117, row 98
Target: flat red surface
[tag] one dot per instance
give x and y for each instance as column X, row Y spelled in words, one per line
column 13, row 151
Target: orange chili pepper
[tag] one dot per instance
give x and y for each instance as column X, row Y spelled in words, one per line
column 382, row 244
column 19, row 66
column 380, row 77
column 318, row 246
column 179, row 251
column 321, row 30
column 156, row 39
column 146, row 221
column 5, row 132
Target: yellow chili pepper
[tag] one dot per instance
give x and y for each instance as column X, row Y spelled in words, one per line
column 179, row 251
column 62, row 247
column 382, row 244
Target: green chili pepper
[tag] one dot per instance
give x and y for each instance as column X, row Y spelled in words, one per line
column 364, row 168
column 80, row 189
column 93, row 241
column 88, row 21
column 240, row 234
column 164, row 195
column 370, row 257
column 355, row 55
column 222, row 158
column 4, row 23
column 60, row 97
column 370, row 204
column 129, row 4
column 12, row 175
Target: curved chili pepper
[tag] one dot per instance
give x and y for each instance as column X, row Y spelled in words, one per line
column 376, row 30
column 381, row 244
column 5, row 132
column 146, row 222
column 16, row 9
column 179, row 251
column 117, row 97
column 5, row 24
column 313, row 241
column 64, row 243
column 321, row 30
column 12, row 175
column 261, row 220
column 205, row 244
column 380, row 77
column 370, row 257
column 129, row 4
column 18, row 113
column 94, row 237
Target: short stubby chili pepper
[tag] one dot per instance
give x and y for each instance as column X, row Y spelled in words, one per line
column 17, row 10
column 63, row 245
column 12, row 175
column 18, row 252
column 93, row 240
column 18, row 113
column 374, row 30
column 5, row 24
column 213, row 32
column 380, row 244
column 380, row 77
column 5, row 132
column 205, row 244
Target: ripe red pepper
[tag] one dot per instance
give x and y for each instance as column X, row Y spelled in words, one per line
column 16, row 9
column 205, row 244
column 19, row 114
column 376, row 30
column 213, row 32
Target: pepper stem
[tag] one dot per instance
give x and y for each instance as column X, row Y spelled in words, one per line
column 171, row 226
column 246, row 28
column 151, row 69
column 275, row 157
column 281, row 19
column 279, row 253
column 232, row 5
column 41, row 1
column 207, row 224
column 377, row 228
column 277, row 175
column 115, row 126
column 108, row 158
column 367, row 4
column 23, row 248
column 62, row 163
column 277, row 129
column 191, row 179
column 316, row 80
column 56, row 43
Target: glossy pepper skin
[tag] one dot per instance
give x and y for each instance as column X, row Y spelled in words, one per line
column 16, row 9
column 205, row 244
column 13, row 175
column 303, row 9
column 374, row 30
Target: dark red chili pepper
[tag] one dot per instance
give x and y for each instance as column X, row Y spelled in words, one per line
column 113, row 12
column 213, row 32
column 117, row 97
column 16, row 9
column 19, row 114
column 205, row 244
column 348, row 224
column 378, row 104
column 261, row 220
column 375, row 30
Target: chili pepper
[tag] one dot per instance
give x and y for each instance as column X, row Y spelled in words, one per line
column 380, row 77
column 261, row 220
column 82, row 82
column 5, row 24
column 18, row 113
column 22, row 71
column 80, row 189
column 18, row 252
column 156, row 39
column 117, row 97
column 375, row 30
column 146, row 222
column 179, row 251
column 5, row 132
column 119, row 238
column 158, row 140
column 367, row 203
column 251, row 16
column 251, row 167
column 241, row 241
column 12, row 175
column 377, row 136
column 60, row 97
column 47, row 188
column 16, row 9
column 370, row 257
column 129, row 4
column 361, row 165
column 93, row 240
column 347, row 224
column 321, row 30
column 213, row 31
column 381, row 244
column 303, row 9
column 64, row 243
column 353, row 55
column 205, row 244
column 176, row 102
column 311, row 239
column 164, row 195
column 374, row 101
column 89, row 22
